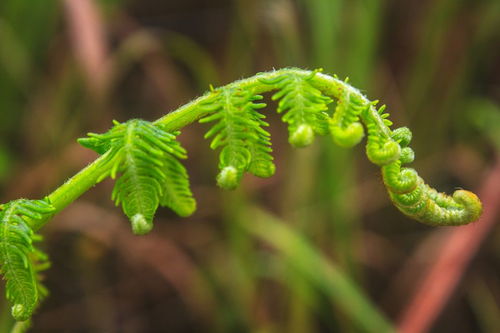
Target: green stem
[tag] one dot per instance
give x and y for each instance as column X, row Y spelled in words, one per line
column 73, row 188
column 318, row 271
column 329, row 85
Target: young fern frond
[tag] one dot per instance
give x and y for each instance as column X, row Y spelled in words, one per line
column 145, row 158
column 20, row 261
column 239, row 130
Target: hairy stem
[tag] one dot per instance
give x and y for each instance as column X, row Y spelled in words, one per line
column 73, row 188
column 329, row 85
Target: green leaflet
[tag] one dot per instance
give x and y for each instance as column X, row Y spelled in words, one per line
column 20, row 261
column 146, row 156
column 303, row 106
column 345, row 126
column 177, row 194
column 246, row 146
column 380, row 149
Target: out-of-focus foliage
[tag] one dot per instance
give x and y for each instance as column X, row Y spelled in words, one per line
column 217, row 272
column 485, row 115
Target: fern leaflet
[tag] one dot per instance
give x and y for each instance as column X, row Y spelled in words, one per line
column 303, row 106
column 345, row 125
column 380, row 148
column 246, row 146
column 151, row 175
column 20, row 261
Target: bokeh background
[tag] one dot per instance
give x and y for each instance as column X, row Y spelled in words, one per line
column 316, row 248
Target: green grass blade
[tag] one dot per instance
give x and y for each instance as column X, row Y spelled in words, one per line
column 318, row 271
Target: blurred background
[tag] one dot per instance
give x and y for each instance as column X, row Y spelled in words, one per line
column 316, row 248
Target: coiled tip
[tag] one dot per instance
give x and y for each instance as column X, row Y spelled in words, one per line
column 302, row 136
column 400, row 181
column 471, row 204
column 19, row 312
column 187, row 209
column 228, row 178
column 140, row 225
column 348, row 137
column 402, row 135
column 263, row 169
column 385, row 154
column 407, row 155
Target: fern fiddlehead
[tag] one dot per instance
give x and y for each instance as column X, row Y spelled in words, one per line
column 144, row 156
column 418, row 200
